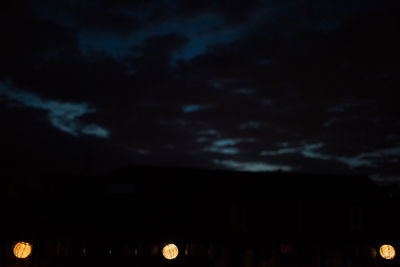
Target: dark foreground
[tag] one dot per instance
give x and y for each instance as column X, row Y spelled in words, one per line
column 215, row 218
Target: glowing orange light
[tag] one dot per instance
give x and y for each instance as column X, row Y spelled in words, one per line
column 22, row 250
column 170, row 251
column 387, row 252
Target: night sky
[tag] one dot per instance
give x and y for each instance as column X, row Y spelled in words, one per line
column 301, row 86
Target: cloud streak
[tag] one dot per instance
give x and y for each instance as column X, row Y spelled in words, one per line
column 366, row 159
column 251, row 166
column 64, row 116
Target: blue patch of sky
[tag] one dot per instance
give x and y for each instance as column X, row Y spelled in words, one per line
column 347, row 119
column 64, row 116
column 222, row 150
column 251, row 166
column 251, row 125
column 95, row 130
column 266, row 102
column 219, row 84
column 227, row 146
column 232, row 142
column 278, row 152
column 202, row 139
column 244, row 91
column 225, row 142
column 202, row 32
column 308, row 151
column 366, row 159
column 93, row 41
column 283, row 144
column 392, row 151
column 199, row 42
column 193, row 108
column 209, row 132
column 355, row 162
column 347, row 105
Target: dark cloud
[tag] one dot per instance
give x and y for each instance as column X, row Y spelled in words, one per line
column 156, row 52
column 105, row 20
column 233, row 11
column 27, row 41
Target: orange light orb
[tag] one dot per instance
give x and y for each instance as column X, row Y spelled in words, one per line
column 387, row 252
column 170, row 251
column 22, row 250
